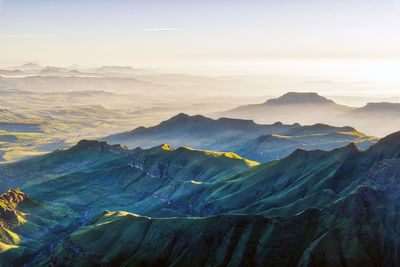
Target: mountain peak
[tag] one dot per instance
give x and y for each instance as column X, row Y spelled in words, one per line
column 381, row 106
column 350, row 148
column 165, row 147
column 182, row 118
column 293, row 98
column 392, row 140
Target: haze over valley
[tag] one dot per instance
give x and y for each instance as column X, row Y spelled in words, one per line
column 47, row 108
column 199, row 133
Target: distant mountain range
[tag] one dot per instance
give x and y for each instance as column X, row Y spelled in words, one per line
column 294, row 98
column 259, row 185
column 308, row 108
column 76, row 70
column 309, row 208
column 211, row 96
column 244, row 137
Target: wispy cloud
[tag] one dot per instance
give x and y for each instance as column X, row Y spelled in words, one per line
column 161, row 29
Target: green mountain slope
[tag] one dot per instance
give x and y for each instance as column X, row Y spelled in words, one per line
column 354, row 227
column 74, row 185
column 319, row 207
column 27, row 225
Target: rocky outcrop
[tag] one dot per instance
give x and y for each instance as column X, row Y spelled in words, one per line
column 101, row 146
column 9, row 216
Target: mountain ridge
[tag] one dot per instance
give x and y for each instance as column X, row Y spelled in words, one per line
column 295, row 98
column 327, row 192
column 242, row 137
column 311, row 108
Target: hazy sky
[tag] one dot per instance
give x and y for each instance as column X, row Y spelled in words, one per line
column 63, row 32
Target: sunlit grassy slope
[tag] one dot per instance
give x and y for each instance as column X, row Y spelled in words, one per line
column 26, row 225
column 310, row 202
column 10, row 219
column 314, row 207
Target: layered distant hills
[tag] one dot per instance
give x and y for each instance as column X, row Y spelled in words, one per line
column 336, row 207
column 296, row 107
column 293, row 181
column 244, row 137
column 309, row 108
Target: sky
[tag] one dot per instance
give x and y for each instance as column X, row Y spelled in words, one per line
column 161, row 32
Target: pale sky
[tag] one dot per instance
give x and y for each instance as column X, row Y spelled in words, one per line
column 94, row 32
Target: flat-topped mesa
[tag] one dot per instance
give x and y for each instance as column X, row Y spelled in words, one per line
column 381, row 106
column 295, row 98
column 101, row 146
column 9, row 216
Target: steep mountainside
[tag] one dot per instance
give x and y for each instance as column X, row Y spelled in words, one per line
column 320, row 208
column 26, row 225
column 204, row 207
column 10, row 218
column 92, row 176
column 254, row 141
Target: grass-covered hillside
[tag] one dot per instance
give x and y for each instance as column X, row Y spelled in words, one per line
column 312, row 208
column 321, row 206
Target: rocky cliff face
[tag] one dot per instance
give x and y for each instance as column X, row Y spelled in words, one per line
column 9, row 216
